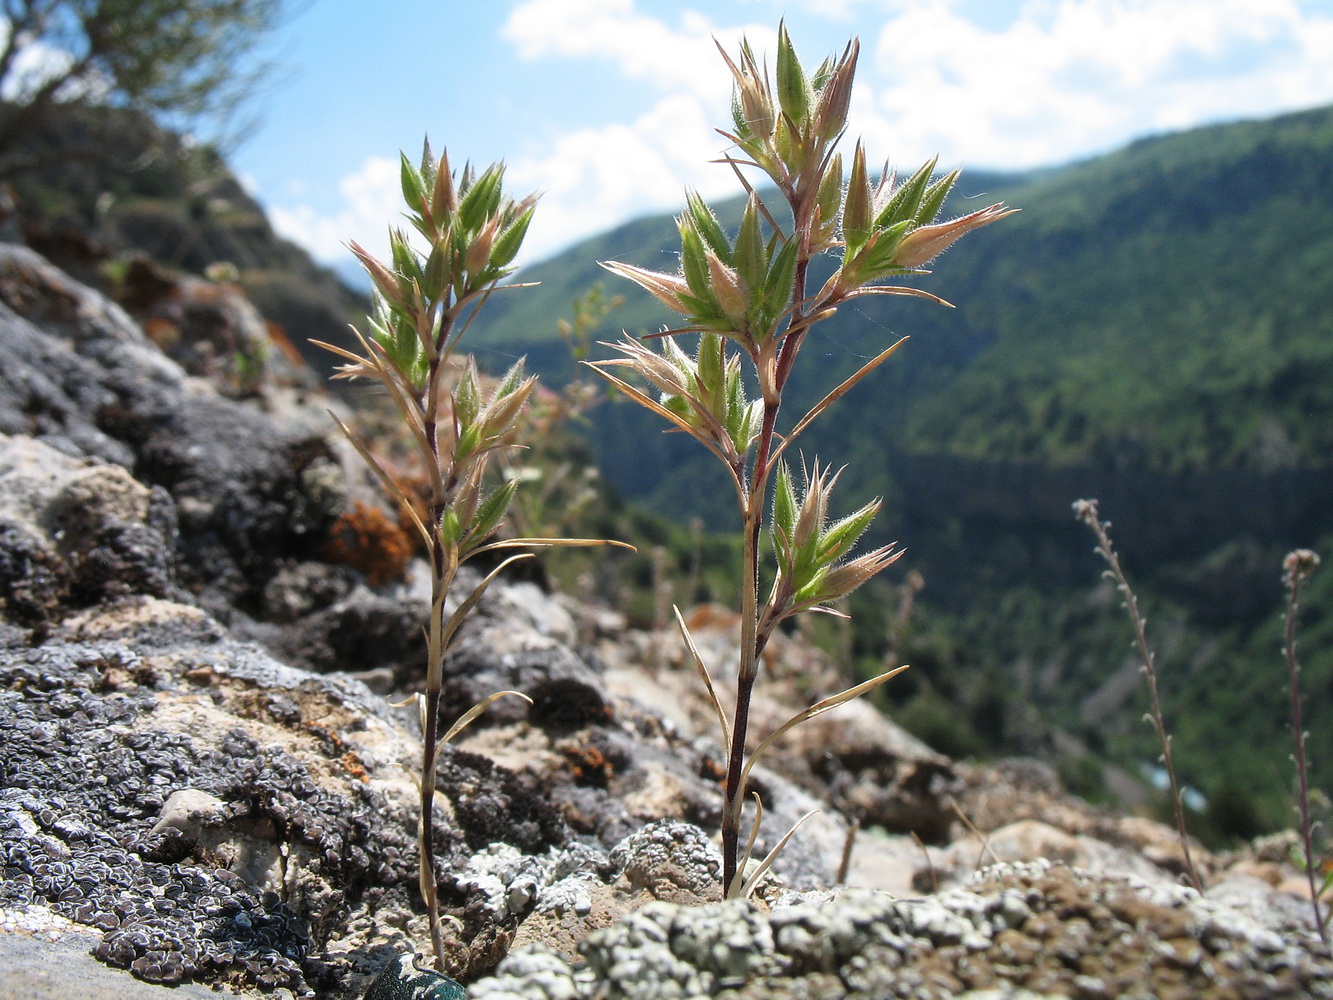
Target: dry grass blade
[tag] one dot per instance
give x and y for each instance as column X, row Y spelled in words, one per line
column 647, row 402
column 835, row 395
column 406, row 406
column 749, row 844
column 819, row 708
column 390, row 487
column 461, row 612
column 985, row 841
column 752, row 882
column 900, row 290
column 470, row 716
column 550, row 543
column 702, row 671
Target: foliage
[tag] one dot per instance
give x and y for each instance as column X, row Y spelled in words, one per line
column 749, row 298
column 422, row 304
column 183, row 61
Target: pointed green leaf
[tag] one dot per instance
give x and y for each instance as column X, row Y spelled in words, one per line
column 794, row 93
column 933, row 200
column 709, row 229
column 906, row 201
column 492, row 511
column 510, row 240
column 838, row 539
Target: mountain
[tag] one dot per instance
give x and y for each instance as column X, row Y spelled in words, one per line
column 123, row 187
column 1154, row 329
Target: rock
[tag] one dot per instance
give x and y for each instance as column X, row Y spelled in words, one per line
column 197, row 789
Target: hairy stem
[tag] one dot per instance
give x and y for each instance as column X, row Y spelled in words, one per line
column 752, row 640
column 442, row 573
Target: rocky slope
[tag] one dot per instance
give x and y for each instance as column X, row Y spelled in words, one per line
column 202, row 782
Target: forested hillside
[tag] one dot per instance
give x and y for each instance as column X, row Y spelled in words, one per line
column 1154, row 329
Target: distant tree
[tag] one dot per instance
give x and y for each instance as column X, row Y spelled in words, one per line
column 186, row 63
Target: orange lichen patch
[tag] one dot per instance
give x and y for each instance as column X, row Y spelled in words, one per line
column 588, row 765
column 368, row 540
column 354, row 767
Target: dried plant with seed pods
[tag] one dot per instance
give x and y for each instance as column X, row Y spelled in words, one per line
column 746, row 297
column 1086, row 511
column 1297, row 568
column 423, row 302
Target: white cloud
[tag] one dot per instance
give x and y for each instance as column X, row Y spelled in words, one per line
column 1049, row 81
column 594, row 178
column 641, row 47
column 1070, row 77
column 371, row 201
column 35, row 64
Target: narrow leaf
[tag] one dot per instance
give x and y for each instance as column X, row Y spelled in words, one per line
column 470, row 716
column 702, row 671
column 752, row 882
column 819, row 708
column 836, row 394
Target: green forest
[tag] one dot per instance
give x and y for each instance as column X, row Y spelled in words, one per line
column 1155, row 329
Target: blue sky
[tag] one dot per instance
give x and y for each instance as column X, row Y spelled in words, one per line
column 608, row 106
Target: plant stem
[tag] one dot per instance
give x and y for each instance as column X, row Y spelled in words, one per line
column 1294, row 582
column 752, row 641
column 1087, row 511
column 442, row 573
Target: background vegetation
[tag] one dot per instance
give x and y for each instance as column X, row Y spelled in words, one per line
column 1156, row 330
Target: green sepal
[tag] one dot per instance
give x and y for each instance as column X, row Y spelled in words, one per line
column 510, row 240
column 467, row 395
column 906, row 201
column 414, row 193
column 737, row 410
column 450, row 530
column 933, row 200
column 482, row 199
column 513, row 378
column 879, row 260
column 750, row 260
column 711, row 370
column 830, row 191
column 693, row 263
column 785, row 506
column 794, row 93
column 781, row 275
column 492, row 511
column 680, row 407
column 858, row 208
column 839, row 538
column 469, row 439
column 707, row 226
column 438, row 273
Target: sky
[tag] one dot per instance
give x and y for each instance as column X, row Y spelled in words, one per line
column 607, row 107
